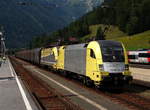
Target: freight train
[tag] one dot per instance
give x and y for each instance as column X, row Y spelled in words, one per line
column 141, row 56
column 96, row 63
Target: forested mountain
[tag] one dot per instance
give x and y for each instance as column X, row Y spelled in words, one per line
column 23, row 19
column 131, row 16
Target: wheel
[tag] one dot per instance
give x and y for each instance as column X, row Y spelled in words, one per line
column 87, row 81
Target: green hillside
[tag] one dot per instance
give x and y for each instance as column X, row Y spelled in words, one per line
column 24, row 19
column 113, row 32
column 120, row 18
column 137, row 41
column 134, row 42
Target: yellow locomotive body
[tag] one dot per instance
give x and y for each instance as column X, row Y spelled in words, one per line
column 96, row 62
column 49, row 56
column 60, row 61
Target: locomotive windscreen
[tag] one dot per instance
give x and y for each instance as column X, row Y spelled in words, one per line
column 112, row 51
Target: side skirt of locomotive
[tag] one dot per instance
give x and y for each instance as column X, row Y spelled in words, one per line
column 110, row 81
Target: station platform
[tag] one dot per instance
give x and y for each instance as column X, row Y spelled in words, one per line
column 13, row 94
column 140, row 74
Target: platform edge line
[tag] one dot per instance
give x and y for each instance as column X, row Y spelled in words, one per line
column 23, row 94
column 73, row 92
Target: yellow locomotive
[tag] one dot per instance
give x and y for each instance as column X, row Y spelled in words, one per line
column 49, row 56
column 96, row 62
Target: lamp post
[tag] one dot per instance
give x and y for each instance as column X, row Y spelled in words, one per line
column 2, row 43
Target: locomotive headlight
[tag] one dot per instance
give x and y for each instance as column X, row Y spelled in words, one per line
column 126, row 67
column 101, row 67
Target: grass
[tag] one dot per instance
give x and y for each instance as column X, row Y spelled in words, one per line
column 137, row 41
column 134, row 42
column 113, row 32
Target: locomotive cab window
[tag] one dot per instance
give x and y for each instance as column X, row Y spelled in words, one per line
column 112, row 54
column 92, row 54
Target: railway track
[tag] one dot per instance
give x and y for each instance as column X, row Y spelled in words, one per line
column 128, row 97
column 46, row 98
column 132, row 101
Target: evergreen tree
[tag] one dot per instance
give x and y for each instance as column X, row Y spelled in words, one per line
column 132, row 26
column 100, row 35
